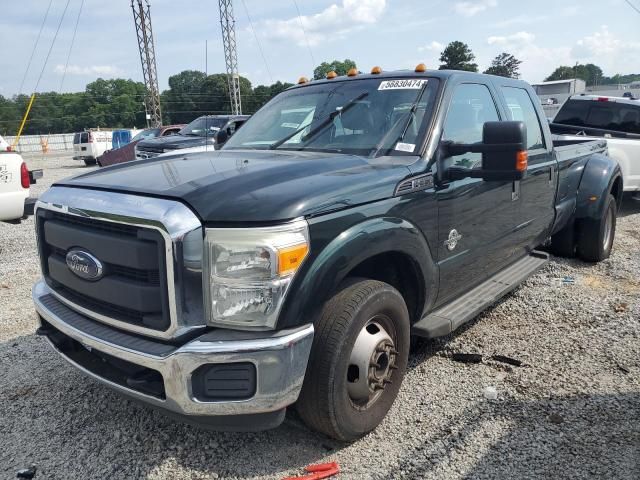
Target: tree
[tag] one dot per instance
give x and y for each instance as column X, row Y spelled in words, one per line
column 458, row 56
column 590, row 73
column 341, row 68
column 505, row 65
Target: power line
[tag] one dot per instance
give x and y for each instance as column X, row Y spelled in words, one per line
column 306, row 39
column 44, row 65
column 257, row 41
column 73, row 39
column 633, row 6
column 35, row 45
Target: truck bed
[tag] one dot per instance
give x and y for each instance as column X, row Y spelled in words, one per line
column 571, row 148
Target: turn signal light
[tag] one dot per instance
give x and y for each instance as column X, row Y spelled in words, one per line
column 290, row 258
column 376, row 70
column 421, row 67
column 352, row 72
column 522, row 158
column 331, row 75
column 302, row 80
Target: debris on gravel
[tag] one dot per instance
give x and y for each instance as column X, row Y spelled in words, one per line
column 573, row 412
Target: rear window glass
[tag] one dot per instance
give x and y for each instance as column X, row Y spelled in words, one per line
column 603, row 115
column 76, row 138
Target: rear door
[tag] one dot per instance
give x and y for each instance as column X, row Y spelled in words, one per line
column 536, row 192
column 475, row 218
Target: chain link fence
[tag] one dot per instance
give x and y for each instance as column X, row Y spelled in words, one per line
column 43, row 143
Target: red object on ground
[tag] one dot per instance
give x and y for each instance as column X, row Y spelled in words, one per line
column 318, row 471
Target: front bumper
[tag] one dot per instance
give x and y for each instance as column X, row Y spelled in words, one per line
column 280, row 360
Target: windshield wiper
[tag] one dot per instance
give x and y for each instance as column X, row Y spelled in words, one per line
column 323, row 123
column 399, row 138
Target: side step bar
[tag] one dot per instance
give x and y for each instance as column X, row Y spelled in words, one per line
column 449, row 317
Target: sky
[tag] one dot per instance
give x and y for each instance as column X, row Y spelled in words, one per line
column 274, row 43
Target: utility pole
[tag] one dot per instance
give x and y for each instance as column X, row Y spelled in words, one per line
column 228, row 24
column 142, row 19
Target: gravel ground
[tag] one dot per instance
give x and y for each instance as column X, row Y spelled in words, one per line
column 571, row 411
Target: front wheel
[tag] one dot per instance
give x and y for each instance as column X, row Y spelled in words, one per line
column 358, row 360
column 595, row 239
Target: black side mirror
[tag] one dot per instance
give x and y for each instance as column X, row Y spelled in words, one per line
column 221, row 136
column 504, row 154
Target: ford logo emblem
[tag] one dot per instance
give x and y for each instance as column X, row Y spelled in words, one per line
column 84, row 265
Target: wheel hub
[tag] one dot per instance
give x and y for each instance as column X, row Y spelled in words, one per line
column 371, row 364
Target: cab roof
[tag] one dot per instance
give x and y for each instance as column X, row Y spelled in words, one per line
column 440, row 74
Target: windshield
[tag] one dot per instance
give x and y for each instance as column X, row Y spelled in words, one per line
column 204, row 126
column 147, row 133
column 362, row 117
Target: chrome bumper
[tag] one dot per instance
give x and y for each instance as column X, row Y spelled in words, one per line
column 280, row 359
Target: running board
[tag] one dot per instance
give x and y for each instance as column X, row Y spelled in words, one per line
column 449, row 317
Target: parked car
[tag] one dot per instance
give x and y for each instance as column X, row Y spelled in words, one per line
column 615, row 119
column 211, row 130
column 293, row 267
column 15, row 182
column 90, row 144
column 128, row 153
column 629, row 95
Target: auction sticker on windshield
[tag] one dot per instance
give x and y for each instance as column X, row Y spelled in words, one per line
column 413, row 83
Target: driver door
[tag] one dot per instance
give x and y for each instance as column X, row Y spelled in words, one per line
column 475, row 217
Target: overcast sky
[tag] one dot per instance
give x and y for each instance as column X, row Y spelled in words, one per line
column 394, row 34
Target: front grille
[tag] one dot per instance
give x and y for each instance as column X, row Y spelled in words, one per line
column 133, row 287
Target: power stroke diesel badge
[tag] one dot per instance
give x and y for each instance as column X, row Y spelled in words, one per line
column 84, row 265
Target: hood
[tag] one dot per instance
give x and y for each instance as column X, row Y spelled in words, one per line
column 255, row 186
column 175, row 142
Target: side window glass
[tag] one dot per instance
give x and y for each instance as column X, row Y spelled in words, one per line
column 522, row 109
column 471, row 106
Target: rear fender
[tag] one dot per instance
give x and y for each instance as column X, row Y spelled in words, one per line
column 600, row 173
column 318, row 280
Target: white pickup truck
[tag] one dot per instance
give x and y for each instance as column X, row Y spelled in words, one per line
column 615, row 119
column 15, row 181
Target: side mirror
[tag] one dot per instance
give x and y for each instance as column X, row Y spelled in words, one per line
column 503, row 149
column 221, row 136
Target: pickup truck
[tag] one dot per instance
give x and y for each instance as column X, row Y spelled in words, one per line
column 209, row 132
column 15, row 182
column 294, row 265
column 589, row 117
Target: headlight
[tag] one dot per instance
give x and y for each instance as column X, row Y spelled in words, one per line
column 249, row 271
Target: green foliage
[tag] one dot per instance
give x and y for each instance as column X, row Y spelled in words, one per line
column 590, row 73
column 458, row 56
column 341, row 68
column 119, row 103
column 505, row 65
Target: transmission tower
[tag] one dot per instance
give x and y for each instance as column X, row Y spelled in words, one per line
column 228, row 24
column 142, row 19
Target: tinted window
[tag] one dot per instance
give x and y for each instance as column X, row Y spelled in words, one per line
column 471, row 106
column 84, row 138
column 521, row 109
column 76, row 138
column 604, row 115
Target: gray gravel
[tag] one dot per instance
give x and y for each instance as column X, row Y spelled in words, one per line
column 571, row 411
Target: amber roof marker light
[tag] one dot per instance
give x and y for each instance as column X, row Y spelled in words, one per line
column 376, row 70
column 352, row 72
column 421, row 67
column 302, row 80
column 331, row 75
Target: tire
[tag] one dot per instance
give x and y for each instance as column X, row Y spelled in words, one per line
column 563, row 243
column 351, row 317
column 89, row 162
column 595, row 239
